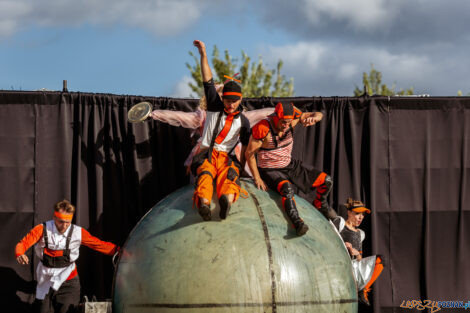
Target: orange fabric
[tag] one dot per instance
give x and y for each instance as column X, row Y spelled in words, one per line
column 223, row 133
column 64, row 216
column 377, row 271
column 96, row 244
column 73, row 274
column 219, row 170
column 260, row 130
column 231, row 78
column 320, row 180
column 279, row 186
column 29, row 240
column 297, row 113
column 279, row 111
column 360, row 209
column 53, row 253
column 231, row 93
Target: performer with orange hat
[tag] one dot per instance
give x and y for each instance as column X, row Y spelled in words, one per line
column 225, row 125
column 57, row 244
column 366, row 270
column 271, row 142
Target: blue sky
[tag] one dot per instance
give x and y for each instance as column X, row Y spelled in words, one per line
column 140, row 47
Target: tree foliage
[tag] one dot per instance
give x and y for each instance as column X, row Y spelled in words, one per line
column 373, row 86
column 257, row 80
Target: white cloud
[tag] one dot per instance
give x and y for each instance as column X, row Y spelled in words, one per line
column 182, row 89
column 161, row 17
column 12, row 13
column 359, row 14
column 325, row 69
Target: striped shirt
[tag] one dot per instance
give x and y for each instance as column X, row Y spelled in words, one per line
column 277, row 153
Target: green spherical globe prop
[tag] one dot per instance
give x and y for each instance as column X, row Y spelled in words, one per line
column 251, row 262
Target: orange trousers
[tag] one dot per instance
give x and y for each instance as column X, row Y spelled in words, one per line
column 223, row 170
column 377, row 271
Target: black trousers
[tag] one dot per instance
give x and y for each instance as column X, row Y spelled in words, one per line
column 64, row 300
column 299, row 175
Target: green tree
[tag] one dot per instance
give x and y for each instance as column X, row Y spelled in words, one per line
column 459, row 93
column 373, row 84
column 257, row 80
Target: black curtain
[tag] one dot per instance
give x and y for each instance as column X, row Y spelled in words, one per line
column 407, row 158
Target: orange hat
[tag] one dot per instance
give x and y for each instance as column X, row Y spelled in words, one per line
column 360, row 208
column 286, row 110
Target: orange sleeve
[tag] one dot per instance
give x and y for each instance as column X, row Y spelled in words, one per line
column 96, row 244
column 260, row 130
column 30, row 239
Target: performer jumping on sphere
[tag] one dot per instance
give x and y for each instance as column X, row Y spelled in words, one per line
column 196, row 120
column 224, row 126
column 269, row 156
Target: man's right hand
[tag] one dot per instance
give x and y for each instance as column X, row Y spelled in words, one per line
column 200, row 46
column 260, row 184
column 22, row 259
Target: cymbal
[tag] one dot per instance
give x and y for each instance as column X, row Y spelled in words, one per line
column 139, row 112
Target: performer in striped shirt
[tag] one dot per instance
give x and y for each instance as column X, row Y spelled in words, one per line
column 269, row 156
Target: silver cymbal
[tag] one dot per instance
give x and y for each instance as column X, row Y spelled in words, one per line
column 139, row 112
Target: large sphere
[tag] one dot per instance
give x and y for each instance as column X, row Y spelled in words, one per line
column 251, row 262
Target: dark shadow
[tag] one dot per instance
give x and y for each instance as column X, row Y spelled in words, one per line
column 10, row 284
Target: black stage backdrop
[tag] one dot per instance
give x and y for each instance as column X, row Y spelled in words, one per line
column 407, row 158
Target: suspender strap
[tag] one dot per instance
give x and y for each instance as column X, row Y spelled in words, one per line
column 69, row 237
column 273, row 134
column 214, row 135
column 44, row 234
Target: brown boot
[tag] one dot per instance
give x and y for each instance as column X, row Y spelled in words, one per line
column 205, row 211
column 301, row 228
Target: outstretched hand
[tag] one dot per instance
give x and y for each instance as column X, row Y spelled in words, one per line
column 310, row 118
column 22, row 259
column 201, row 46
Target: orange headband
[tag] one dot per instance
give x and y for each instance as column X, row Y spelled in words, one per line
column 64, row 216
column 231, row 93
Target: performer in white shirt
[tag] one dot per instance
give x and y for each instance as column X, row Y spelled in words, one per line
column 57, row 244
column 225, row 125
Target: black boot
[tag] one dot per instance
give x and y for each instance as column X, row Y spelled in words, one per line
column 205, row 211
column 363, row 297
column 224, row 206
column 327, row 211
column 321, row 202
column 290, row 207
column 301, row 228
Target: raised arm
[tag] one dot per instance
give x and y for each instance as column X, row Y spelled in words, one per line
column 205, row 68
column 254, row 116
column 191, row 120
column 214, row 103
